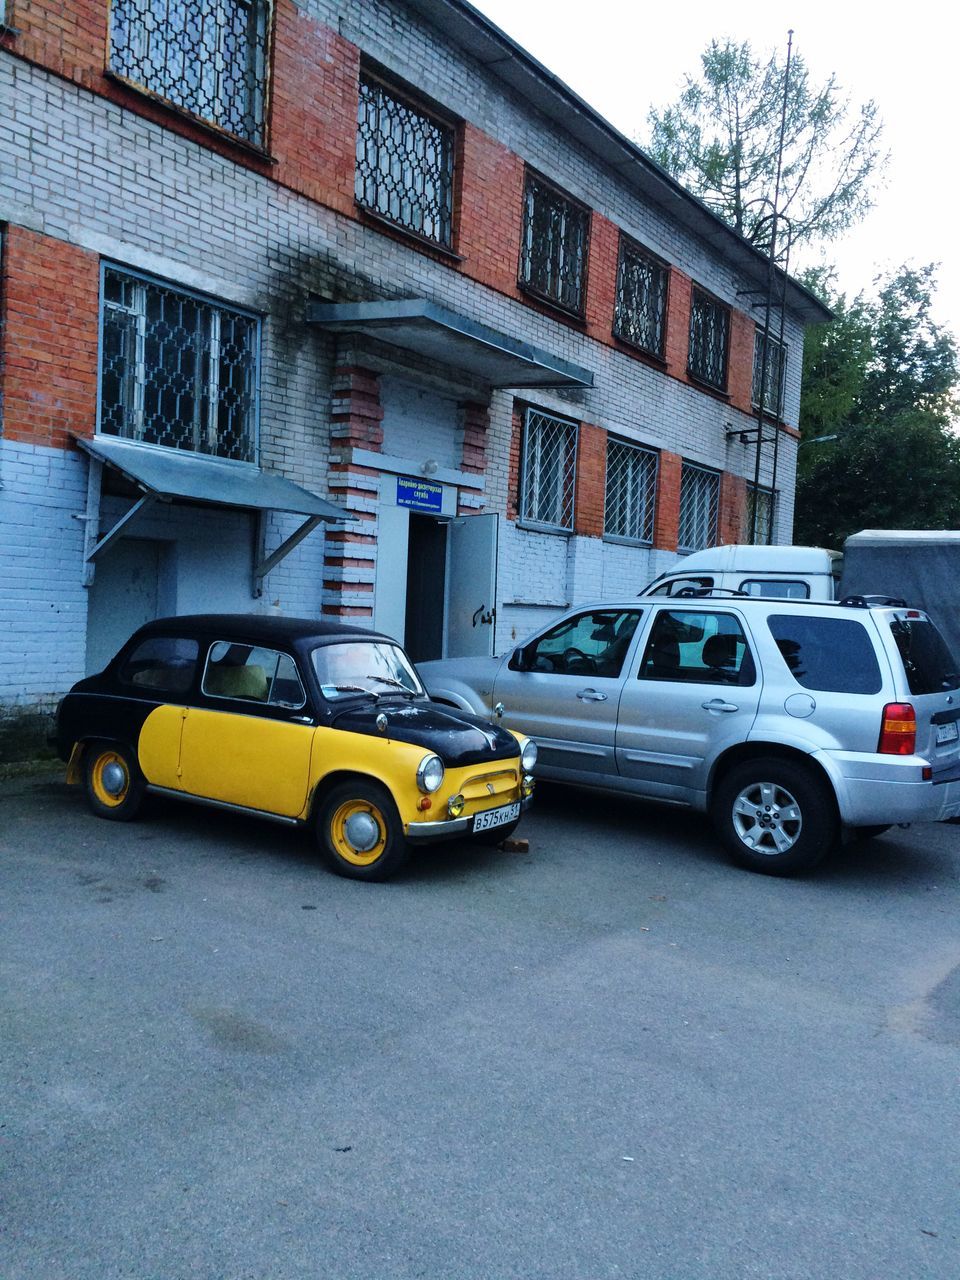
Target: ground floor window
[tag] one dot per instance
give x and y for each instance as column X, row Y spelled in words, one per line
column 761, row 506
column 548, row 470
column 699, row 508
column 630, row 493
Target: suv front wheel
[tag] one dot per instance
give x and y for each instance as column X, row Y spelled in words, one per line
column 775, row 816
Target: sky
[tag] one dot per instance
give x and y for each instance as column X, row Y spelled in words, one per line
column 623, row 58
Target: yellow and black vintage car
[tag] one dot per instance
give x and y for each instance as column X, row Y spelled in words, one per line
column 301, row 721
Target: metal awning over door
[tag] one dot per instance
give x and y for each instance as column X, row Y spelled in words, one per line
column 169, row 475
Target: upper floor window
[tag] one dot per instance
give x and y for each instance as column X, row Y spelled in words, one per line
column 699, row 508
column 553, row 252
column 405, row 163
column 207, row 56
column 641, row 298
column 548, row 470
column 631, row 488
column 177, row 370
column 709, row 334
column 769, row 370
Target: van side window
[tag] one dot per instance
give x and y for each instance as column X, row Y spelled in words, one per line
column 705, row 648
column 833, row 655
column 779, row 588
column 683, row 587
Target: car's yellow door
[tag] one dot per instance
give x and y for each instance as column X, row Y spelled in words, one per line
column 250, row 760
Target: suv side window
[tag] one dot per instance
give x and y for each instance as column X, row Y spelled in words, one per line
column 164, row 663
column 706, row 648
column 833, row 655
column 252, row 674
column 929, row 665
column 593, row 643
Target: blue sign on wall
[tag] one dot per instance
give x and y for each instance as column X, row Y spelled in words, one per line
column 419, row 494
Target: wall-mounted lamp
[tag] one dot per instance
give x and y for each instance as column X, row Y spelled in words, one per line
column 429, row 468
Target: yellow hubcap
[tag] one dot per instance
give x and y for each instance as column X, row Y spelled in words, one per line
column 358, row 832
column 110, row 778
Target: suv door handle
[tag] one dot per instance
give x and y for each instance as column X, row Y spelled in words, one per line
column 717, row 704
column 591, row 695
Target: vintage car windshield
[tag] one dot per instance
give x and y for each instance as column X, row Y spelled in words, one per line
column 366, row 666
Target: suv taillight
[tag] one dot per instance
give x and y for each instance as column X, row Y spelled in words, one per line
column 898, row 732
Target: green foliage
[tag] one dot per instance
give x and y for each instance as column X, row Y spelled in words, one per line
column 883, row 379
column 721, row 140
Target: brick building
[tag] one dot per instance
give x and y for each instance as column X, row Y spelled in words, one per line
column 349, row 306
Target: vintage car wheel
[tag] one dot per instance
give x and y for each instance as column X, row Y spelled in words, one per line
column 775, row 816
column 113, row 781
column 359, row 830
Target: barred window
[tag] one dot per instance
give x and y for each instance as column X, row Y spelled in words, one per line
column 177, row 370
column 699, row 508
column 762, row 504
column 709, row 330
column 553, row 252
column 769, row 377
column 631, row 489
column 548, row 470
column 207, row 56
column 405, row 163
column 641, row 298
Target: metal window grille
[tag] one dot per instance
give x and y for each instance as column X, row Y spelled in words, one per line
column 769, row 370
column 709, row 327
column 553, row 252
column 207, row 56
column 763, row 503
column 641, row 299
column 631, row 489
column 405, row 164
column 176, row 370
column 699, row 508
column 549, row 470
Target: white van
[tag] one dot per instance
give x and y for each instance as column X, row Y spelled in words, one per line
column 793, row 573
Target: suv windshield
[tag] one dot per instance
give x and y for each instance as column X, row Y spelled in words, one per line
column 364, row 666
column 929, row 665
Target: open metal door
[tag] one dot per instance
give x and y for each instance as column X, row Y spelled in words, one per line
column 472, row 585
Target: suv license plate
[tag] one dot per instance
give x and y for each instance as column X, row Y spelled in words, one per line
column 496, row 817
column 946, row 732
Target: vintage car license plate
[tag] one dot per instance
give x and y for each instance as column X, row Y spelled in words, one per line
column 496, row 817
column 946, row 732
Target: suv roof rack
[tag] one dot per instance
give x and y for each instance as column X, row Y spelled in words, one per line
column 868, row 602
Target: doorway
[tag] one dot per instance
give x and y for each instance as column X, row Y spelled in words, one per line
column 124, row 594
column 426, row 575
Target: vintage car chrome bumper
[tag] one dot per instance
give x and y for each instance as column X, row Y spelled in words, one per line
column 451, row 826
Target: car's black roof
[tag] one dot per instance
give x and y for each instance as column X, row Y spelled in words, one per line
column 259, row 628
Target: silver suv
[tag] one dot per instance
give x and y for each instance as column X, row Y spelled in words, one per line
column 790, row 722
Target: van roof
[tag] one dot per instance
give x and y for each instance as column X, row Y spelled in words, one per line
column 744, row 557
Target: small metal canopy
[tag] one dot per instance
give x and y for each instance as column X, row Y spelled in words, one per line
column 433, row 332
column 170, row 475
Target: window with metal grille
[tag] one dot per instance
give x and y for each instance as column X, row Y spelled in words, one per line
column 548, row 470
column 631, row 489
column 177, row 370
column 553, row 251
column 709, row 331
column 207, row 56
column 699, row 508
column 761, row 503
column 405, row 162
column 641, row 298
column 769, row 370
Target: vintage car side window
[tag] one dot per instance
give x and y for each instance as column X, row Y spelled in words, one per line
column 166, row 664
column 780, row 588
column 704, row 648
column 252, row 674
column 833, row 655
column 594, row 643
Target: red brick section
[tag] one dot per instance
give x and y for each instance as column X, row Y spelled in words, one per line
column 667, row 522
column 602, row 277
column 314, row 108
column 733, row 505
column 677, row 342
column 740, row 361
column 356, row 423
column 51, row 297
column 490, row 208
column 513, row 475
column 591, row 481
column 476, row 421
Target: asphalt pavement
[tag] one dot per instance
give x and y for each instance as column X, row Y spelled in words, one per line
column 611, row 1056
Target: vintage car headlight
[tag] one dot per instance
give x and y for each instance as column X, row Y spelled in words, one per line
column 528, row 756
column 430, row 773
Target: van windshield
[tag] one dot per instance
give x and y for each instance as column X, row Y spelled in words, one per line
column 929, row 665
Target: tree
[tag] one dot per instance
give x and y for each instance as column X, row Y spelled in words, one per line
column 721, row 139
column 883, row 380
